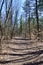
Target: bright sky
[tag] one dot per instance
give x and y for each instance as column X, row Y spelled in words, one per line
column 21, row 5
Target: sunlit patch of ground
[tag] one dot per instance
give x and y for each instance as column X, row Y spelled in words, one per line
column 18, row 52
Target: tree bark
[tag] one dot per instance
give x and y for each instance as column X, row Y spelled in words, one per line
column 37, row 18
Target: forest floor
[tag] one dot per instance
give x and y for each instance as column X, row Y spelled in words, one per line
column 21, row 51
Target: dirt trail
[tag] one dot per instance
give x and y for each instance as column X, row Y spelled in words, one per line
column 18, row 52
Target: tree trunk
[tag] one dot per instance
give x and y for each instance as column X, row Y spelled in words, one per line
column 29, row 26
column 37, row 18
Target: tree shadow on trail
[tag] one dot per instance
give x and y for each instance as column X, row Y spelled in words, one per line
column 36, row 63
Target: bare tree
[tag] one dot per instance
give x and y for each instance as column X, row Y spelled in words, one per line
column 27, row 12
column 8, row 16
column 1, row 33
column 16, row 14
column 37, row 17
